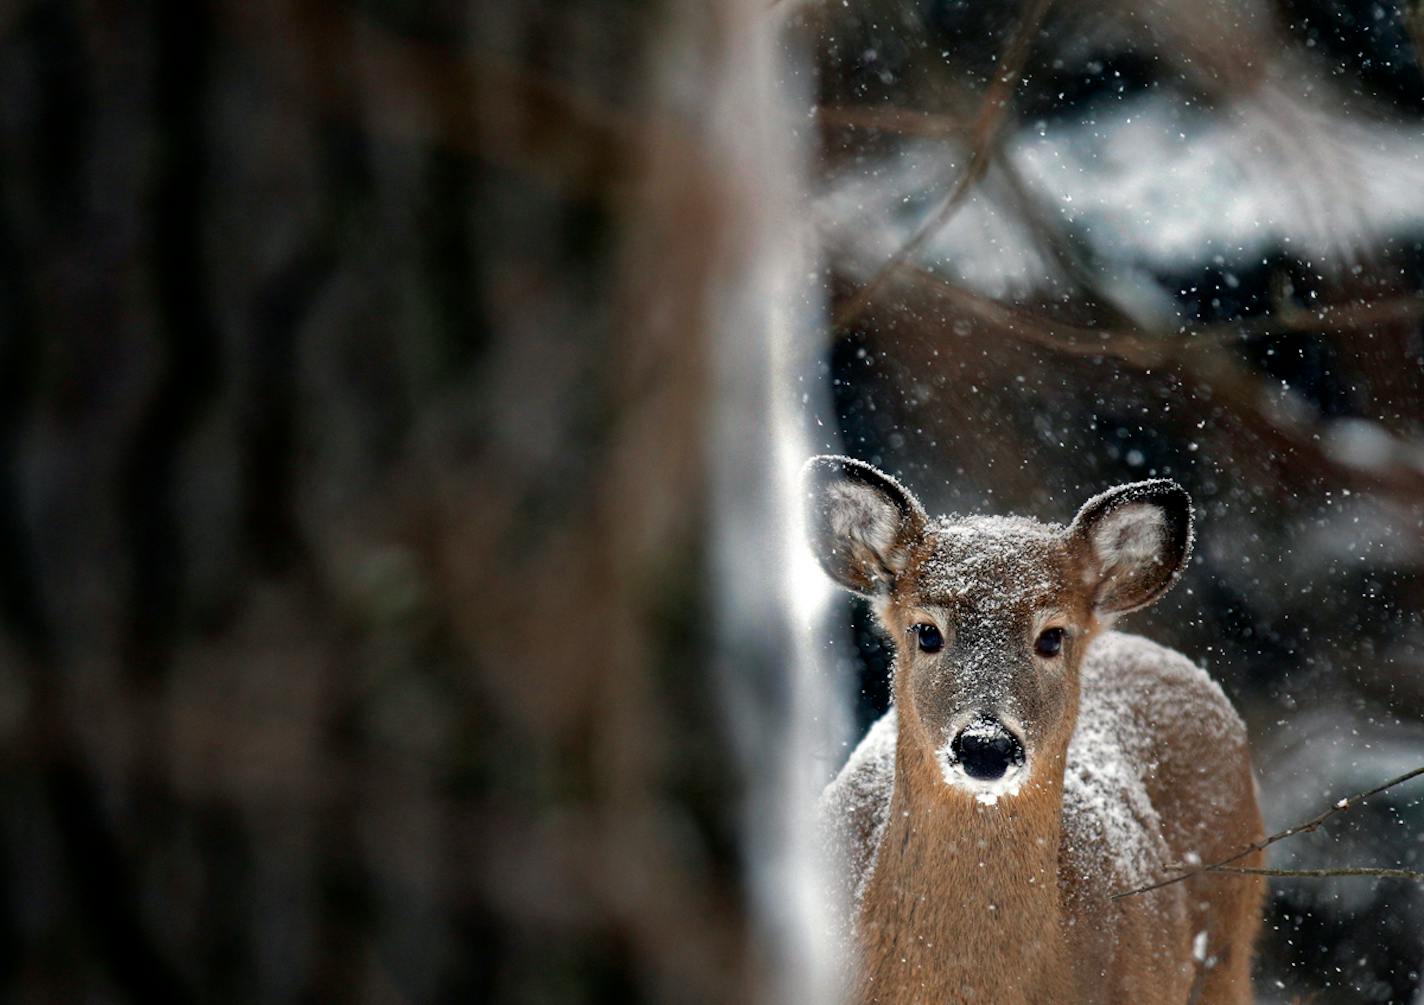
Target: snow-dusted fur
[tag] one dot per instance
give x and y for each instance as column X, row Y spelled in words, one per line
column 1155, row 777
column 1136, row 762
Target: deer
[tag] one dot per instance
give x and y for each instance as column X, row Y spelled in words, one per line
column 1034, row 762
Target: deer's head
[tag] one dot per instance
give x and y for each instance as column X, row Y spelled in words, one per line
column 990, row 616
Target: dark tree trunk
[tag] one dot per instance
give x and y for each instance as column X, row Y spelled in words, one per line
column 354, row 534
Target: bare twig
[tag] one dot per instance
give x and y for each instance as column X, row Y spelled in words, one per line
column 985, row 136
column 1321, row 873
column 1312, row 824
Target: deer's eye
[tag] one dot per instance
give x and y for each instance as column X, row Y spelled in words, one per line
column 1050, row 642
column 929, row 638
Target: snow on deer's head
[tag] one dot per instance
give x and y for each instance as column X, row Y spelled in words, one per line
column 990, row 616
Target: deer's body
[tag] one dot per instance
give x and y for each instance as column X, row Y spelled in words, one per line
column 1135, row 800
column 1034, row 763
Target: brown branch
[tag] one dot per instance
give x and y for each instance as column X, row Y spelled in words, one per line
column 1346, row 317
column 1199, row 357
column 987, row 125
column 1310, row 825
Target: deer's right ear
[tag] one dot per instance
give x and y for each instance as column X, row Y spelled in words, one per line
column 861, row 522
column 1135, row 541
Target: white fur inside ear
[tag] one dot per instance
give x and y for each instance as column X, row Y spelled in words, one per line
column 861, row 515
column 1130, row 537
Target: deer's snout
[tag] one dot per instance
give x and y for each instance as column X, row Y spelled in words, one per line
column 987, row 750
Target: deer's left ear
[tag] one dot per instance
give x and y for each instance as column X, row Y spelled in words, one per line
column 1133, row 542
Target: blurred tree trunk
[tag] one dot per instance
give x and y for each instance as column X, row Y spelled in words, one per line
column 353, row 486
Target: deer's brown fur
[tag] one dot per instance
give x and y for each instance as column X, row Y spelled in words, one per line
column 1136, row 762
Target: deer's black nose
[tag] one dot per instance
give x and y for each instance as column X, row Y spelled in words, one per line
column 986, row 750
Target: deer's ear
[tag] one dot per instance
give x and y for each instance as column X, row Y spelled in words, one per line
column 1133, row 542
column 861, row 522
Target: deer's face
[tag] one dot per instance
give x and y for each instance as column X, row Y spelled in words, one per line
column 990, row 616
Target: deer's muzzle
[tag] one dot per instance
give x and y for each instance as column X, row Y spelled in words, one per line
column 987, row 750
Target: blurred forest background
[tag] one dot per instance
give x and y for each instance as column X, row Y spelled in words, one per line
column 392, row 494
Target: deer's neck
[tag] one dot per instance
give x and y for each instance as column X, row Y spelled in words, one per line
column 964, row 903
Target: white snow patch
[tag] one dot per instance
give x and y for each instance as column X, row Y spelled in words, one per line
column 1149, row 186
column 1360, row 443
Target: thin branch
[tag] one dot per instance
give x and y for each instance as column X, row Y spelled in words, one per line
column 1312, row 824
column 1418, row 877
column 985, row 136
